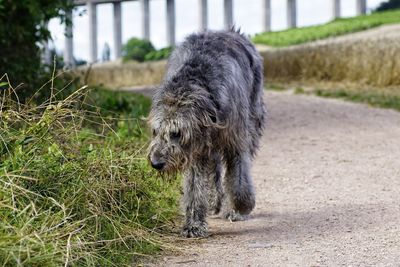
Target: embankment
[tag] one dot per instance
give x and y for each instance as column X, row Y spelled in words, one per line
column 370, row 57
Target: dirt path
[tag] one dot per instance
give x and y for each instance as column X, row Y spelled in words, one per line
column 328, row 191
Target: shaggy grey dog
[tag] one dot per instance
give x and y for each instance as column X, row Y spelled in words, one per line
column 207, row 118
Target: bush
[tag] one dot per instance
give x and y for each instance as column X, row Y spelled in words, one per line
column 75, row 187
column 22, row 29
column 391, row 4
column 159, row 54
column 137, row 49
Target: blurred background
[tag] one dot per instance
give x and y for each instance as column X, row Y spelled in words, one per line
column 247, row 14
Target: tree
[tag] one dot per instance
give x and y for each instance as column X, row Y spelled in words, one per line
column 391, row 4
column 23, row 27
column 137, row 49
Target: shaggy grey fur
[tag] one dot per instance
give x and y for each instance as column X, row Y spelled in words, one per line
column 207, row 118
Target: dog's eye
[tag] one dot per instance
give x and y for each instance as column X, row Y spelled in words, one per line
column 175, row 135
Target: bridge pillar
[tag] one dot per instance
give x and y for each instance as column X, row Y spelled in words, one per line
column 92, row 12
column 228, row 14
column 266, row 15
column 69, row 45
column 361, row 7
column 117, row 30
column 203, row 14
column 145, row 19
column 171, row 22
column 335, row 9
column 291, row 14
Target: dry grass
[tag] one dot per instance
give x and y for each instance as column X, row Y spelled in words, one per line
column 371, row 62
column 117, row 75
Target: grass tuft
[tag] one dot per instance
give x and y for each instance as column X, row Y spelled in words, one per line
column 75, row 187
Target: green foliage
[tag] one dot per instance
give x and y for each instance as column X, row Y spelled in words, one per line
column 137, row 49
column 75, row 187
column 22, row 29
column 334, row 28
column 142, row 50
column 388, row 5
column 110, row 102
column 159, row 54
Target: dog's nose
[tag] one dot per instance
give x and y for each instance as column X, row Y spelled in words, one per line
column 157, row 165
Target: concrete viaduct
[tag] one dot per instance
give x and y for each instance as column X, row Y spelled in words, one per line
column 170, row 21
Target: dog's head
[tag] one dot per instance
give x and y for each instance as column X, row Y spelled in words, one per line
column 182, row 124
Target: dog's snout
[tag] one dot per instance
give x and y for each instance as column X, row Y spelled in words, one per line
column 158, row 165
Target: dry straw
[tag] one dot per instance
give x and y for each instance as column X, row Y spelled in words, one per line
column 370, row 61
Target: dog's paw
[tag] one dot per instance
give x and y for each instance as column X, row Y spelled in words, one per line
column 234, row 216
column 195, row 230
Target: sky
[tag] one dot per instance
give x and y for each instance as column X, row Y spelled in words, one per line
column 247, row 15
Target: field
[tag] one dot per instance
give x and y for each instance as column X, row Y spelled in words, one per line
column 335, row 28
column 75, row 187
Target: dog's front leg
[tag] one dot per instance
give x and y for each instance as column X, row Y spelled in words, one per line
column 195, row 203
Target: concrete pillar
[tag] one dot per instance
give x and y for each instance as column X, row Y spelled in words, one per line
column 171, row 22
column 203, row 15
column 361, row 7
column 69, row 45
column 92, row 12
column 266, row 15
column 291, row 14
column 228, row 14
column 145, row 19
column 117, row 30
column 335, row 9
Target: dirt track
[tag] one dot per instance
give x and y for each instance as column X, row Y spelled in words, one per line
column 328, row 191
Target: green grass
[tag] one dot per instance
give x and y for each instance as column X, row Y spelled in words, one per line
column 75, row 187
column 334, row 28
column 276, row 87
column 373, row 96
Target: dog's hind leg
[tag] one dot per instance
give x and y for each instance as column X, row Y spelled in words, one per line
column 240, row 199
column 195, row 201
column 215, row 184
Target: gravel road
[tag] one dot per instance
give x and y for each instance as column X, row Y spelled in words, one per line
column 328, row 191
